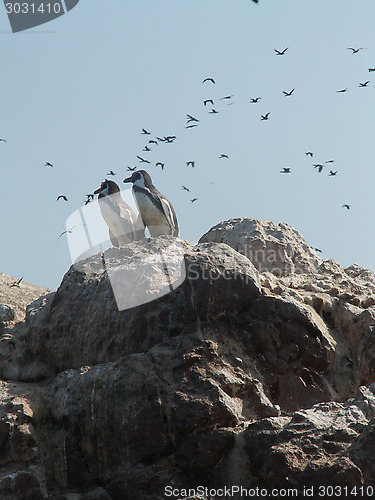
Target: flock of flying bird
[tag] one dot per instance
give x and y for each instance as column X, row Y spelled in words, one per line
column 155, row 211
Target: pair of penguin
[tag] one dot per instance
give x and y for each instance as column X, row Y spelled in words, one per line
column 155, row 211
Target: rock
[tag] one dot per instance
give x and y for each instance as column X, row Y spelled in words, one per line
column 6, row 313
column 276, row 248
column 231, row 375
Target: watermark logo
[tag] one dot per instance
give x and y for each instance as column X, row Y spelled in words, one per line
column 26, row 14
column 136, row 277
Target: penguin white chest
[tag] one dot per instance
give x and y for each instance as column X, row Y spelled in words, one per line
column 153, row 217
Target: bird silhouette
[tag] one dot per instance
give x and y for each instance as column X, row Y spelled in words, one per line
column 255, row 99
column 62, row 196
column 160, row 164
column 330, row 161
column 364, row 84
column 142, row 160
column 208, row 101
column 331, row 173
column 345, row 205
column 317, row 250
column 190, row 163
column 111, row 172
column 209, row 80
column 288, row 93
column 169, row 138
column 194, row 199
column 309, row 153
column 145, row 132
column 185, row 188
column 355, row 51
column 319, row 166
column 213, row 111
column 191, row 119
column 280, row 52
column 3, row 140
column 223, row 156
column 152, row 141
column 16, row 283
column 48, row 164
column 192, row 125
column 226, row 97
column 146, row 148
column 131, row 169
column 265, row 117
column 371, row 69
column 341, row 91
column 285, row 171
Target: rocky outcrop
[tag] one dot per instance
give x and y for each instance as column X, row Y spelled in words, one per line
column 236, row 377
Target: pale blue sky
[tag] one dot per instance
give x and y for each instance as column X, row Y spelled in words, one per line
column 78, row 91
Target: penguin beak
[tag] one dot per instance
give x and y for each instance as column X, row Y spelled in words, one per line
column 128, row 179
column 98, row 190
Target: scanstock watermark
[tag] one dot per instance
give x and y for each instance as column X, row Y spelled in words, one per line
column 27, row 14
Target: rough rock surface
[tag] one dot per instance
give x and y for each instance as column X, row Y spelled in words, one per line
column 235, row 377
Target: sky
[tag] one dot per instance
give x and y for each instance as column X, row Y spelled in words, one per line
column 78, row 91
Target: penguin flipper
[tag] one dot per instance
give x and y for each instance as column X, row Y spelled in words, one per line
column 113, row 239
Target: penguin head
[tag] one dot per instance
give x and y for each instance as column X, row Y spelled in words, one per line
column 106, row 188
column 140, row 178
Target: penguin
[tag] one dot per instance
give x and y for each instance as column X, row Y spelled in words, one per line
column 124, row 226
column 156, row 211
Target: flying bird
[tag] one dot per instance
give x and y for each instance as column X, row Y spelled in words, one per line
column 208, row 101
column 123, row 224
column 111, row 172
column 185, row 188
column 152, row 141
column 355, row 51
column 190, row 163
column 342, row 90
column 330, row 161
column 223, row 156
column 70, row 230
column 170, row 138
column 142, row 160
column 131, row 169
column 364, row 84
column 146, row 148
column 3, row 140
column 371, row 69
column 265, row 117
column 285, row 171
column 317, row 250
column 62, row 196
column 156, row 211
column 280, row 52
column 194, row 199
column 16, row 283
column 213, row 111
column 209, row 80
column 288, row 93
column 48, row 164
column 309, row 153
column 345, row 205
column 160, row 164
column 193, row 125
column 191, row 119
column 90, row 196
column 255, row 99
column 319, row 166
column 145, row 132
column 331, row 173
column 226, row 97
